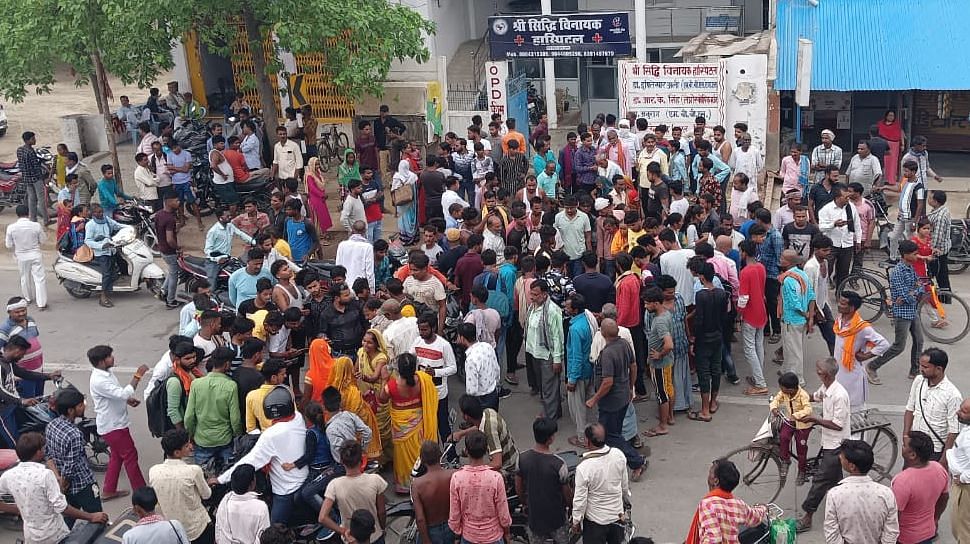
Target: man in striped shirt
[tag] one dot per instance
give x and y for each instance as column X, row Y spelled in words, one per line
column 912, row 196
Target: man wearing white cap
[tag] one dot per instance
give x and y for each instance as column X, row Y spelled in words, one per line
column 825, row 154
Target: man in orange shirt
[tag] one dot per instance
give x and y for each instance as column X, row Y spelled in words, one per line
column 240, row 172
column 512, row 135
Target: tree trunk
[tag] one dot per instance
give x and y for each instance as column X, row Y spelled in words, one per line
column 100, row 84
column 264, row 87
column 98, row 91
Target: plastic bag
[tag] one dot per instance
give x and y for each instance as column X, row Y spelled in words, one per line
column 782, row 531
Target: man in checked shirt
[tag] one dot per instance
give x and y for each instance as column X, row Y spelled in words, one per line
column 33, row 178
column 65, row 447
column 905, row 290
column 720, row 514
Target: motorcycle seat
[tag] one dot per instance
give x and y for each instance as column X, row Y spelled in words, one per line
column 8, row 165
column 195, row 260
column 253, row 186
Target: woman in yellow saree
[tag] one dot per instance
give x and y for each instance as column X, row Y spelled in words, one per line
column 414, row 414
column 343, row 378
column 372, row 358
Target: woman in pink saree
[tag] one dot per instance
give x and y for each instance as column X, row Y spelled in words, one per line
column 891, row 130
column 317, row 199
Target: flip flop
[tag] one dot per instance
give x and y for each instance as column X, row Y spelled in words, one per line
column 512, row 380
column 696, row 416
column 650, row 433
column 716, row 408
column 116, row 495
column 576, row 442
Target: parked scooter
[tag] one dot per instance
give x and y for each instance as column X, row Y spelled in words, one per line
column 135, row 265
column 141, row 217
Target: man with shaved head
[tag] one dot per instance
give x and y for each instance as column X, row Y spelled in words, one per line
column 795, row 302
column 401, row 332
column 614, row 373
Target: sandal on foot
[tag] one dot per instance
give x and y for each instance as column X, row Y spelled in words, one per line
column 696, row 416
column 651, row 433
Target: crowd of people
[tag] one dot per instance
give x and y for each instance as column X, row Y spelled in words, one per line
column 625, row 267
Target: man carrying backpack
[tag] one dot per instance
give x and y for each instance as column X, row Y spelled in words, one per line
column 166, row 403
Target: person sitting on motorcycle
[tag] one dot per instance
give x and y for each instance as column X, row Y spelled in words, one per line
column 97, row 235
column 318, row 457
column 283, row 442
column 65, row 447
column 13, row 351
column 501, row 448
column 110, row 194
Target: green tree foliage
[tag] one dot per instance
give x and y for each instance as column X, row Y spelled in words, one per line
column 359, row 38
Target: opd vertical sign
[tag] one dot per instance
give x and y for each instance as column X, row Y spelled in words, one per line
column 496, row 76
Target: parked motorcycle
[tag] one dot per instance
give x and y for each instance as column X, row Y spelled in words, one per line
column 193, row 268
column 12, row 192
column 958, row 259
column 35, row 419
column 135, row 265
column 142, row 218
column 193, row 137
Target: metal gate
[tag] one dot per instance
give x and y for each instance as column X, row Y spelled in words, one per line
column 519, row 103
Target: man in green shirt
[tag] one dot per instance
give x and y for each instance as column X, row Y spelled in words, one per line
column 544, row 346
column 185, row 360
column 660, row 341
column 212, row 415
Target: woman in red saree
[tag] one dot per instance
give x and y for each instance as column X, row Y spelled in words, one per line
column 891, row 130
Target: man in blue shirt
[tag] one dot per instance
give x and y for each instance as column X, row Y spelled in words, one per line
column 769, row 254
column 242, row 282
column 300, row 234
column 97, row 235
column 905, row 290
column 218, row 244
column 797, row 294
column 579, row 370
column 180, row 166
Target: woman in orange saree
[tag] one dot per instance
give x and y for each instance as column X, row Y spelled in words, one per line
column 343, row 378
column 318, row 373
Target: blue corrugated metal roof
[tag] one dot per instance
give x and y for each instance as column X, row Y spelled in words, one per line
column 882, row 45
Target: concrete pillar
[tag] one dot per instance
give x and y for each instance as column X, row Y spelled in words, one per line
column 549, row 66
column 640, row 28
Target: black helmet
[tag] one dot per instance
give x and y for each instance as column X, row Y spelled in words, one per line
column 278, row 403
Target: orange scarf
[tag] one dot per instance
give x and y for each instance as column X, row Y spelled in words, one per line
column 620, row 156
column 694, row 535
column 185, row 378
column 802, row 286
column 848, row 331
column 321, row 364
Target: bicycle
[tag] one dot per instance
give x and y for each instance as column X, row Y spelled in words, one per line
column 871, row 284
column 331, row 145
column 760, row 464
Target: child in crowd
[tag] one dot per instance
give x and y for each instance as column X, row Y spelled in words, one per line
column 925, row 255
column 792, row 404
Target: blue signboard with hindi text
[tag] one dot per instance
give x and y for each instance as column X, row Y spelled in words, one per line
column 560, row 35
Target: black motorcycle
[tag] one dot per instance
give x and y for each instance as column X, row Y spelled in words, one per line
column 142, row 218
column 193, row 137
column 35, row 419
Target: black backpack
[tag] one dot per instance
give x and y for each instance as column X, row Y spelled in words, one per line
column 157, row 407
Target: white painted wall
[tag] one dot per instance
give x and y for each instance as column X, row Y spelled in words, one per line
column 755, row 111
column 180, row 72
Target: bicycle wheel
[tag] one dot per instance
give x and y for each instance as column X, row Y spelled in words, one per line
column 872, row 291
column 343, row 142
column 885, row 448
column 324, row 153
column 760, row 469
column 957, row 319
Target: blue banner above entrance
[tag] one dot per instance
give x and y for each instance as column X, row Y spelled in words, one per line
column 549, row 36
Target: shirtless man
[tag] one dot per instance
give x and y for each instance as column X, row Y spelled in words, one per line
column 431, row 494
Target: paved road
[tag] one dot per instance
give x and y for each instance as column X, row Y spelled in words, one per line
column 664, row 500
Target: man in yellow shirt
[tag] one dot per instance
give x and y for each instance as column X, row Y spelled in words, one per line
column 274, row 373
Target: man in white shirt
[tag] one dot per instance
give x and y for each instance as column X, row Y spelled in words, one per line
column 482, row 370
column 748, row 160
column 958, row 463
column 859, row 509
column 241, row 516
column 834, row 427
column 602, row 487
column 356, row 254
column 37, row 495
column 864, row 167
column 281, row 444
column 401, row 332
column 25, row 237
column 250, row 146
column 435, row 355
column 111, row 402
column 840, row 221
column 933, row 404
column 287, row 157
column 450, row 196
column 146, row 183
column 673, row 261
